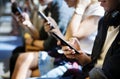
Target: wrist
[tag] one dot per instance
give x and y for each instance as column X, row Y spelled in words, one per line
column 79, row 10
column 30, row 24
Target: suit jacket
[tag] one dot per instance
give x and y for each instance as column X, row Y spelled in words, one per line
column 111, row 65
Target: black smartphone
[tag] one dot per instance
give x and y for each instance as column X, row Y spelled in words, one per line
column 55, row 35
column 64, row 42
column 16, row 9
column 43, row 16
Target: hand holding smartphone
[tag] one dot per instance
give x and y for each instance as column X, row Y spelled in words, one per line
column 55, row 35
column 16, row 9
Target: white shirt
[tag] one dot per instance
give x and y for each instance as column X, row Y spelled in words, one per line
column 93, row 10
column 111, row 35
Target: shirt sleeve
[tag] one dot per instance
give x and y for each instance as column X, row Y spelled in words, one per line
column 65, row 14
column 94, row 10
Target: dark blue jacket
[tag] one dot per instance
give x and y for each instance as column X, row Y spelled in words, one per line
column 111, row 65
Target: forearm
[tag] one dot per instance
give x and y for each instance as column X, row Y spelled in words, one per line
column 83, row 58
column 33, row 31
column 39, row 44
column 75, row 21
column 73, row 25
column 87, row 27
column 28, row 26
column 32, row 48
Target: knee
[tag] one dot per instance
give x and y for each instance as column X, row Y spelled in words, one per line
column 24, row 57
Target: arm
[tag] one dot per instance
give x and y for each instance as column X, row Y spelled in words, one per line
column 29, row 27
column 32, row 44
column 74, row 24
column 39, row 44
column 83, row 29
column 33, row 37
column 84, row 18
column 23, row 19
column 82, row 58
column 80, row 7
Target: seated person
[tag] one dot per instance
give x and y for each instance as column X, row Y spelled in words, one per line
column 46, row 42
column 91, row 19
column 81, row 30
column 104, row 60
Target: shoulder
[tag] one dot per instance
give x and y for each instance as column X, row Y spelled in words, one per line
column 57, row 3
column 95, row 9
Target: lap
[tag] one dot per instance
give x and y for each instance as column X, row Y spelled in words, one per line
column 45, row 62
column 47, row 68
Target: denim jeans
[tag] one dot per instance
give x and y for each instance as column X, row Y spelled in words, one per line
column 45, row 62
column 47, row 68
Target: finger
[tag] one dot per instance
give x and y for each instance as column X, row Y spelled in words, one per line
column 69, row 52
column 70, row 56
column 58, row 42
column 65, row 48
column 45, row 23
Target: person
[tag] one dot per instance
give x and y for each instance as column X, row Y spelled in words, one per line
column 33, row 32
column 85, row 22
column 45, row 42
column 104, row 60
column 91, row 17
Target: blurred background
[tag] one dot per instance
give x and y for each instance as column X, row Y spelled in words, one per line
column 10, row 38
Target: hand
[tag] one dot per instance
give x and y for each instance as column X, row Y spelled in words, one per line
column 26, row 20
column 75, row 43
column 51, row 26
column 23, row 19
column 70, row 53
column 82, row 58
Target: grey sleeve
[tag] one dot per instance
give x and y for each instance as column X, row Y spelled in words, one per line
column 97, row 73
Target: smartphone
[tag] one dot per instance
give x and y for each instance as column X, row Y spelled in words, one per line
column 55, row 35
column 16, row 9
column 43, row 16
